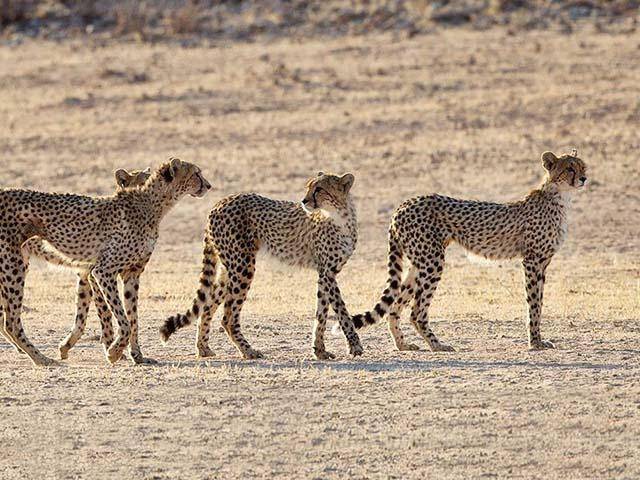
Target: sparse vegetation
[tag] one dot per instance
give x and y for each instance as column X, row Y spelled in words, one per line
column 459, row 112
column 16, row 11
column 246, row 19
column 131, row 17
column 186, row 19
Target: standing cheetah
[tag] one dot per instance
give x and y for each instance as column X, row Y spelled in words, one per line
column 37, row 247
column 107, row 236
column 321, row 233
column 422, row 228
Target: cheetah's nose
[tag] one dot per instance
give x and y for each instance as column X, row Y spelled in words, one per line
column 583, row 180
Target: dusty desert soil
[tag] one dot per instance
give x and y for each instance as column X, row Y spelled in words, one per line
column 455, row 112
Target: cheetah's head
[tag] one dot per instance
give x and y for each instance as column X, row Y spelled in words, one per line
column 568, row 172
column 328, row 192
column 184, row 178
column 134, row 178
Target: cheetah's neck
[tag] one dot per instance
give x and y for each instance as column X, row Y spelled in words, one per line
column 562, row 197
column 559, row 202
column 344, row 218
column 158, row 197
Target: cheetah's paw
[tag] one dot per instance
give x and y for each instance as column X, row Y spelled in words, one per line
column 144, row 360
column 324, row 355
column 42, row 361
column 541, row 345
column 205, row 352
column 442, row 347
column 356, row 350
column 251, row 354
column 114, row 354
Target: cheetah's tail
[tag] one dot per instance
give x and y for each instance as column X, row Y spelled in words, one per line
column 204, row 295
column 389, row 294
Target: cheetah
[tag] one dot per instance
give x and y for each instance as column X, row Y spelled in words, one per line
column 320, row 233
column 37, row 247
column 421, row 229
column 106, row 236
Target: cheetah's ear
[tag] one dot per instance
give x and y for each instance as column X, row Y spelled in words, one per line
column 122, row 177
column 320, row 174
column 549, row 160
column 347, row 181
column 169, row 171
column 176, row 163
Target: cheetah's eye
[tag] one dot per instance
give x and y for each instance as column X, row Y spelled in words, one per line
column 571, row 170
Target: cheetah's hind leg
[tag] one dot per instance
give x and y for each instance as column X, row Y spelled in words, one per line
column 426, row 284
column 240, row 274
column 5, row 334
column 407, row 290
column 12, row 292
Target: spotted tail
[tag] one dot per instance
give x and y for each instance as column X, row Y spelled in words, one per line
column 204, row 296
column 390, row 293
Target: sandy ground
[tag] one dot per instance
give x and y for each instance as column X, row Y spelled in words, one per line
column 455, row 112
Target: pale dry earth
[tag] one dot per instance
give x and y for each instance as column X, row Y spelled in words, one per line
column 456, row 112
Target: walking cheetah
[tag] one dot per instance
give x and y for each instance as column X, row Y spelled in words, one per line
column 422, row 227
column 320, row 233
column 108, row 236
column 37, row 247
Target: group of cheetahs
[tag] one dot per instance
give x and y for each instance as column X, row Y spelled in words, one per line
column 106, row 238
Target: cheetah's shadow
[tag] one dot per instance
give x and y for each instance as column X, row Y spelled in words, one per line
column 400, row 365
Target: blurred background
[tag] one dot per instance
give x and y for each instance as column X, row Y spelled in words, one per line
column 250, row 20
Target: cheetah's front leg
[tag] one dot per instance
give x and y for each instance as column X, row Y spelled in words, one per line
column 329, row 285
column 320, row 323
column 534, row 271
column 107, row 281
column 83, row 299
column 106, row 324
column 131, row 286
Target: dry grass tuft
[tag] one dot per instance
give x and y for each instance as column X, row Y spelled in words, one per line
column 186, row 19
column 131, row 17
column 88, row 10
column 461, row 113
column 12, row 11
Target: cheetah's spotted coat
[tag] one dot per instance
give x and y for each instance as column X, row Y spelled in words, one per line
column 108, row 236
column 321, row 233
column 422, row 227
column 37, row 247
